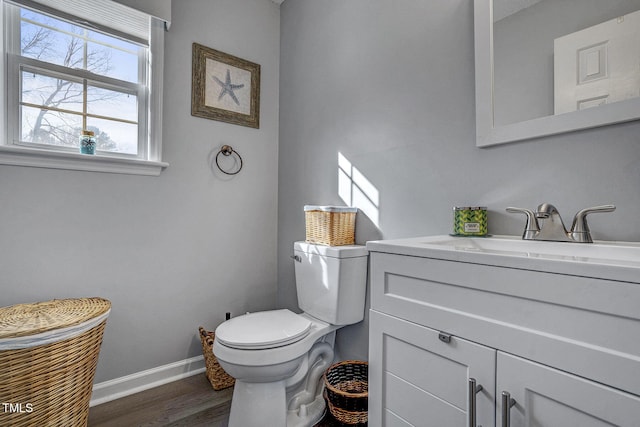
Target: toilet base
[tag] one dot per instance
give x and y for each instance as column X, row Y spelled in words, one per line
column 256, row 404
column 268, row 404
column 268, row 407
column 307, row 415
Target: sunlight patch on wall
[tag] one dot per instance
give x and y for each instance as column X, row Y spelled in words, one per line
column 356, row 190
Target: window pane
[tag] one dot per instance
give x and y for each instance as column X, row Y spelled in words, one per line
column 123, row 55
column 45, row 20
column 50, row 127
column 115, row 137
column 62, row 43
column 111, row 62
column 49, row 45
column 113, row 41
column 51, row 92
column 110, row 103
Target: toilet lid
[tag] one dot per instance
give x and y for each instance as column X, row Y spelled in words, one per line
column 264, row 329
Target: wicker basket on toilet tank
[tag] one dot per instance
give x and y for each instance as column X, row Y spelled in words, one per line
column 330, row 225
column 48, row 356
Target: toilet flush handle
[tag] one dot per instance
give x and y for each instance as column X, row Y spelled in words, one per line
column 296, row 258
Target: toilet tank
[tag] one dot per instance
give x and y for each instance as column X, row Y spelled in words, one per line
column 331, row 281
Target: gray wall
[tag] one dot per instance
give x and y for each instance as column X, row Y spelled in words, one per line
column 390, row 85
column 171, row 252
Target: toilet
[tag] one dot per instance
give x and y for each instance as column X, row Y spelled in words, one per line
column 278, row 357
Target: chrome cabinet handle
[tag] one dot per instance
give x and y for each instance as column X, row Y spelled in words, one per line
column 507, row 403
column 473, row 390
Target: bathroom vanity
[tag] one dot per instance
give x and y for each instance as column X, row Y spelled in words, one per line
column 499, row 331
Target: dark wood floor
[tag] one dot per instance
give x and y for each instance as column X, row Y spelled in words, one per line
column 190, row 402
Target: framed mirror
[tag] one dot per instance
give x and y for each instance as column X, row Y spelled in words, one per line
column 546, row 67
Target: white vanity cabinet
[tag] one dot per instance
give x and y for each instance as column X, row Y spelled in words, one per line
column 564, row 346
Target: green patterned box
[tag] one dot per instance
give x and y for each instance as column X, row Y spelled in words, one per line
column 470, row 221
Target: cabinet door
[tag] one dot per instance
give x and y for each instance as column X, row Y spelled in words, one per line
column 546, row 397
column 416, row 379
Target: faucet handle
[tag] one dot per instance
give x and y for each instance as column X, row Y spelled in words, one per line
column 532, row 227
column 580, row 229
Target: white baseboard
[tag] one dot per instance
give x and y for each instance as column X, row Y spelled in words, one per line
column 124, row 386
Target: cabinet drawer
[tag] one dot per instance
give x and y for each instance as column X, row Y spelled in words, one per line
column 577, row 324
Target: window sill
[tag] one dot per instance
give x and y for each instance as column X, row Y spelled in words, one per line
column 21, row 156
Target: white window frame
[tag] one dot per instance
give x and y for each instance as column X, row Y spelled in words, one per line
column 149, row 158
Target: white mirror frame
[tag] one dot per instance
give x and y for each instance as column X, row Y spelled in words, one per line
column 487, row 134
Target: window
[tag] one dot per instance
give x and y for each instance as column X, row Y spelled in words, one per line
column 66, row 74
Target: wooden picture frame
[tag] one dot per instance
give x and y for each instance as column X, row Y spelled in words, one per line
column 224, row 87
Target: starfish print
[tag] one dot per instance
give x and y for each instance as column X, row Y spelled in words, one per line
column 228, row 87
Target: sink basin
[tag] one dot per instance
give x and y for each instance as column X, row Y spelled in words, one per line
column 607, row 260
column 585, row 252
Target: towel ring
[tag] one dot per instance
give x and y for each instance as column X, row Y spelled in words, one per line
column 227, row 150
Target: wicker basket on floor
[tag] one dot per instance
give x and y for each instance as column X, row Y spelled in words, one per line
column 347, row 390
column 217, row 376
column 48, row 356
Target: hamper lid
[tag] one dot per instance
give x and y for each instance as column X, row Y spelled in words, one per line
column 263, row 329
column 24, row 320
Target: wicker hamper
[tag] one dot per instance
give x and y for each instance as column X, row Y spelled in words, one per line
column 347, row 390
column 330, row 225
column 218, row 378
column 48, row 356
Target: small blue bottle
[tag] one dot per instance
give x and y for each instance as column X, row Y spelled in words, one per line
column 87, row 142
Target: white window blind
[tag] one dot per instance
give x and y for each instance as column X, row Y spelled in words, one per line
column 160, row 9
column 104, row 14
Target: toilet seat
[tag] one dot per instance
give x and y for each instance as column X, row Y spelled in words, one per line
column 263, row 330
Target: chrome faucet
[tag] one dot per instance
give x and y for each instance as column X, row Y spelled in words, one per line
column 552, row 227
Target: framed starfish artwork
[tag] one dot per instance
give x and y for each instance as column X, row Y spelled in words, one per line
column 225, row 87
